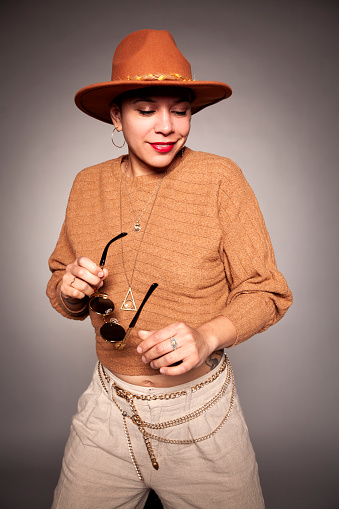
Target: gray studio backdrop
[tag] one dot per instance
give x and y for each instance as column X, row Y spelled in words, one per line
column 280, row 126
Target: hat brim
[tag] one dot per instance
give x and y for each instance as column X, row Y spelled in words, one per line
column 95, row 100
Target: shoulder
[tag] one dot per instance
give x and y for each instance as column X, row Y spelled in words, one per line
column 223, row 174
column 95, row 173
column 217, row 168
column 90, row 184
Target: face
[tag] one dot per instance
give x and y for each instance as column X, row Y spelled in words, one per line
column 156, row 125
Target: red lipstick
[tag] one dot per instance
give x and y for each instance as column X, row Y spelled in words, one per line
column 163, row 148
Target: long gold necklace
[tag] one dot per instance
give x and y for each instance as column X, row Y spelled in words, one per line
column 129, row 302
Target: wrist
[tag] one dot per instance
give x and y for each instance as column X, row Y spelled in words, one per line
column 71, row 300
column 220, row 332
column 74, row 306
column 207, row 330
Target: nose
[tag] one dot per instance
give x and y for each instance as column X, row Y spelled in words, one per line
column 164, row 124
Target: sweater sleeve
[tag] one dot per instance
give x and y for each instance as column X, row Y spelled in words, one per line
column 62, row 255
column 259, row 295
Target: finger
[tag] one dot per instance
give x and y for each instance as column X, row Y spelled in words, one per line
column 84, row 288
column 69, row 291
column 157, row 351
column 83, row 274
column 174, row 363
column 157, row 337
column 174, row 352
column 92, row 267
column 168, row 359
column 180, row 369
column 160, row 355
column 144, row 334
column 188, row 360
column 77, row 288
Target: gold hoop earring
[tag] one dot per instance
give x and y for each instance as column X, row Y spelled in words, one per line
column 112, row 136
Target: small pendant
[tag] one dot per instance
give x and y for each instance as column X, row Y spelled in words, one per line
column 129, row 303
column 137, row 227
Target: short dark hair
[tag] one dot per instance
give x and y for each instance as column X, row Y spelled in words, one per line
column 149, row 91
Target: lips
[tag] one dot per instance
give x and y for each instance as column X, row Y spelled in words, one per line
column 163, row 147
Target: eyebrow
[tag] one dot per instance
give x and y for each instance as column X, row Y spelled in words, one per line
column 150, row 100
column 147, row 100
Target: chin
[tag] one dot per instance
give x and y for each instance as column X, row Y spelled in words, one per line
column 161, row 160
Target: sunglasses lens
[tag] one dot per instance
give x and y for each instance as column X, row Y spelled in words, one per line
column 112, row 332
column 101, row 305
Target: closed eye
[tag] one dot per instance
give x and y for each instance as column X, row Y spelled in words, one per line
column 180, row 113
column 146, row 113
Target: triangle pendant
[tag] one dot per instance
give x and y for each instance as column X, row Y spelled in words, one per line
column 129, row 303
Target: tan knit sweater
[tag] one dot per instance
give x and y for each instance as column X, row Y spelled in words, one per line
column 206, row 245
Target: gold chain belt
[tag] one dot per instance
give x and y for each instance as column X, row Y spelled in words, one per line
column 142, row 425
column 171, row 395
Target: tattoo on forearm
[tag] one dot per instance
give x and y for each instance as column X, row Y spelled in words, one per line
column 213, row 360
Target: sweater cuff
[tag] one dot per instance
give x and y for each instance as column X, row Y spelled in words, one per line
column 54, row 295
column 250, row 316
column 78, row 312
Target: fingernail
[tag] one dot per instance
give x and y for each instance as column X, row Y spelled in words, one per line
column 143, row 359
column 152, row 365
column 162, row 371
column 100, row 274
column 100, row 284
column 139, row 349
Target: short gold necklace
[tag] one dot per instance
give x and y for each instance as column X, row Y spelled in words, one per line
column 129, row 302
column 137, row 225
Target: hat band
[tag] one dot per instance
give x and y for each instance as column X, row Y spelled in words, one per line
column 159, row 77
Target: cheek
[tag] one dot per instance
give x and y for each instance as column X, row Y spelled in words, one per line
column 185, row 127
column 133, row 133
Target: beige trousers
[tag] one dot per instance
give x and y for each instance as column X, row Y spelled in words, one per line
column 97, row 471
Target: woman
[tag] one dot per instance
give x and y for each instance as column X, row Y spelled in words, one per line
column 187, row 246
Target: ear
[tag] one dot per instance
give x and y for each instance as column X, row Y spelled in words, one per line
column 116, row 116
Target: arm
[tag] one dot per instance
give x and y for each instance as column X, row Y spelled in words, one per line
column 258, row 295
column 72, row 281
column 71, row 285
column 63, row 255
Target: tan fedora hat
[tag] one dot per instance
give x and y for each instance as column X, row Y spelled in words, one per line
column 142, row 59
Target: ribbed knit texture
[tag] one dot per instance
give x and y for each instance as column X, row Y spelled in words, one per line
column 206, row 245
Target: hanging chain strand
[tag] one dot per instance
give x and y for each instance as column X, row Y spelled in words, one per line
column 130, row 448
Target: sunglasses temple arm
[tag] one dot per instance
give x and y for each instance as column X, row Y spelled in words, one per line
column 103, row 258
column 104, row 254
column 147, row 296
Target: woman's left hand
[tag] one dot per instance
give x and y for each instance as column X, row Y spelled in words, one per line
column 190, row 346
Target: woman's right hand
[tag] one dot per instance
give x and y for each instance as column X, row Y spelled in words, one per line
column 81, row 278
